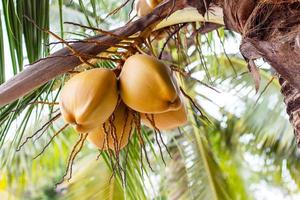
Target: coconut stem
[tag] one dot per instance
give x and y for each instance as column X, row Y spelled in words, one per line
column 76, row 153
column 155, row 130
column 137, row 120
column 116, row 143
column 160, row 149
column 51, row 139
column 107, row 146
column 46, row 125
column 194, row 104
column 72, row 157
column 125, row 166
column 44, row 102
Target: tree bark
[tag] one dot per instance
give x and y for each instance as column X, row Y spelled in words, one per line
column 292, row 101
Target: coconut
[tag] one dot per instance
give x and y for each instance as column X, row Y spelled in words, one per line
column 167, row 120
column 147, row 86
column 117, row 130
column 89, row 98
column 144, row 7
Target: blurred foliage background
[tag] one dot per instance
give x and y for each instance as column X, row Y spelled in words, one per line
column 246, row 151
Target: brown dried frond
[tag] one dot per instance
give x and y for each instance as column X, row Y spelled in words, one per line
column 278, row 1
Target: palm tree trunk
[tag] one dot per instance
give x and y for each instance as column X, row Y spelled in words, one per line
column 292, row 101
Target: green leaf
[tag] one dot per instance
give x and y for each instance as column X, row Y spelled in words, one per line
column 2, row 62
column 14, row 33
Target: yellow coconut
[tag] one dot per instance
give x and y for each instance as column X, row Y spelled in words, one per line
column 117, row 130
column 89, row 98
column 153, row 3
column 167, row 120
column 147, row 86
column 144, row 7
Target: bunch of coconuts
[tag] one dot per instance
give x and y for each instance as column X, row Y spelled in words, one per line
column 105, row 106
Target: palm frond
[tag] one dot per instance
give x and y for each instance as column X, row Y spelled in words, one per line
column 263, row 119
column 35, row 38
column 207, row 181
column 102, row 186
column 14, row 32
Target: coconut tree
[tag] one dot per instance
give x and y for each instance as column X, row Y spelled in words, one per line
column 207, row 154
